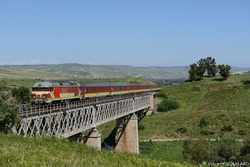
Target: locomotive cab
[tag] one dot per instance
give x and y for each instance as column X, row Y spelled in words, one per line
column 42, row 93
column 45, row 92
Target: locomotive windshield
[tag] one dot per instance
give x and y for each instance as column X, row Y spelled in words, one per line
column 41, row 89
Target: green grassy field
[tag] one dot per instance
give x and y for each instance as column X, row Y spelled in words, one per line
column 210, row 109
column 50, row 151
column 224, row 105
column 165, row 151
column 12, row 73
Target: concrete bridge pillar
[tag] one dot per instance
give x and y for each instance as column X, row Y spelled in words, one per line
column 126, row 138
column 151, row 108
column 92, row 138
column 151, row 102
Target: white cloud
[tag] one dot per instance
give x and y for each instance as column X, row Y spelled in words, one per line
column 19, row 63
column 36, row 61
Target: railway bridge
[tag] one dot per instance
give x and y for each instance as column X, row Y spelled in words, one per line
column 71, row 119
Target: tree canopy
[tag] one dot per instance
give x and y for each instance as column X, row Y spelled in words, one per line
column 208, row 65
column 224, row 70
column 22, row 94
column 8, row 109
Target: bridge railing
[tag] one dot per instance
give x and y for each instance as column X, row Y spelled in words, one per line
column 26, row 111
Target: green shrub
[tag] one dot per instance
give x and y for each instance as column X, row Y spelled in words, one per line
column 162, row 94
column 206, row 132
column 246, row 84
column 141, row 126
column 182, row 130
column 203, row 123
column 242, row 132
column 245, row 152
column 167, row 105
column 226, row 128
column 196, row 151
column 227, row 151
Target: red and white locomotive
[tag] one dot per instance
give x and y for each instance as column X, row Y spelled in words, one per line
column 50, row 91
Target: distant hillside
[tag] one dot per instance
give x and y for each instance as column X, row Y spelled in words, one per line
column 90, row 71
column 78, row 71
column 211, row 108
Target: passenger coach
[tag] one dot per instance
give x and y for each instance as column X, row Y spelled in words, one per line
column 51, row 91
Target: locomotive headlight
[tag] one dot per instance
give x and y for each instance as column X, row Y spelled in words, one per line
column 33, row 95
column 46, row 96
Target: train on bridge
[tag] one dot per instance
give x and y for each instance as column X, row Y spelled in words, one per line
column 46, row 92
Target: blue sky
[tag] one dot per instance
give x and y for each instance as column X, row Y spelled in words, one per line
column 125, row 32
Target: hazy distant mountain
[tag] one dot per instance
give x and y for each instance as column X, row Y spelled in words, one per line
column 65, row 71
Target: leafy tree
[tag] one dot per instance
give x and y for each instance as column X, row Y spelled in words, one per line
column 22, row 94
column 200, row 70
column 197, row 71
column 224, row 70
column 8, row 110
column 211, row 67
column 202, row 62
column 193, row 72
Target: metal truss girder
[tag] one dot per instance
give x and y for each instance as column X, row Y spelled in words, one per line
column 68, row 122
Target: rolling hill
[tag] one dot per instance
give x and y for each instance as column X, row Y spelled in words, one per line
column 210, row 109
column 80, row 71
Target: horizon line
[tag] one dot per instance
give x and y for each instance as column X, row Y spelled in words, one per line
column 27, row 64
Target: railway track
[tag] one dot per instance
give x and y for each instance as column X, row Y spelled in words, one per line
column 57, row 107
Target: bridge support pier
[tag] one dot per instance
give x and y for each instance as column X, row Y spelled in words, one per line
column 150, row 110
column 126, row 138
column 92, row 138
